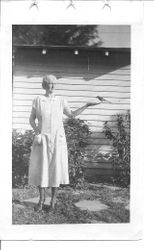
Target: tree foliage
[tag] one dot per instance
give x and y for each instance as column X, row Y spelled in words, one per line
column 80, row 35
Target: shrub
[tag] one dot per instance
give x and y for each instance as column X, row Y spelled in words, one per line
column 76, row 133
column 121, row 142
column 21, row 147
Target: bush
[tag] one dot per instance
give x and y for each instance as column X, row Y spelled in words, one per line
column 21, row 147
column 121, row 143
column 76, row 133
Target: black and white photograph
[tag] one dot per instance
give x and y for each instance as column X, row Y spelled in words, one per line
column 71, row 120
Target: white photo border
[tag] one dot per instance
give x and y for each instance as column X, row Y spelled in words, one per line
column 122, row 13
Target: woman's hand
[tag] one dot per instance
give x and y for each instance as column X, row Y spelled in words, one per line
column 38, row 139
column 88, row 104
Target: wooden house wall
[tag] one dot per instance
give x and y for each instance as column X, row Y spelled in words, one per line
column 80, row 79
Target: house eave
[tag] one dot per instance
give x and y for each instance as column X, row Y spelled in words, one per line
column 71, row 47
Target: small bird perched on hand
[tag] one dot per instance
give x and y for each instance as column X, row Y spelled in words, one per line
column 102, row 99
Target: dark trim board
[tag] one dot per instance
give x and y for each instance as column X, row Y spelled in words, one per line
column 69, row 47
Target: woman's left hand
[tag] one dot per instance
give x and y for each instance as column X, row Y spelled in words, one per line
column 92, row 103
column 38, row 139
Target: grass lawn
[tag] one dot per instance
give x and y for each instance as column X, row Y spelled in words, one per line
column 117, row 200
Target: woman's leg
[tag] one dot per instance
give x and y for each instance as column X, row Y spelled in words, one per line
column 53, row 196
column 40, row 204
column 42, row 194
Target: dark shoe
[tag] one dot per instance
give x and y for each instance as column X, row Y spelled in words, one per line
column 52, row 207
column 39, row 207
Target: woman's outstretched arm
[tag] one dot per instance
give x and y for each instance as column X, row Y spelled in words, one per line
column 72, row 114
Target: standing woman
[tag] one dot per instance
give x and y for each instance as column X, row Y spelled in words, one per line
column 49, row 157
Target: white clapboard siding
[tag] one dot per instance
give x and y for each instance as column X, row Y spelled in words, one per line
column 101, row 86
column 89, row 118
column 114, row 86
column 75, row 101
column 116, row 107
column 77, row 97
column 25, row 125
column 19, row 110
column 95, row 122
column 74, row 93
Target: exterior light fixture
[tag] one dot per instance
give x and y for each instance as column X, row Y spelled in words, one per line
column 76, row 52
column 44, row 51
column 107, row 53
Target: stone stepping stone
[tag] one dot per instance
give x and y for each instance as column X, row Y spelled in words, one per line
column 93, row 206
column 18, row 205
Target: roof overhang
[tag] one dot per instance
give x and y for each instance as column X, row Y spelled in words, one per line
column 70, row 47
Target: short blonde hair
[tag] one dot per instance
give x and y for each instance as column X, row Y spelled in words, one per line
column 48, row 80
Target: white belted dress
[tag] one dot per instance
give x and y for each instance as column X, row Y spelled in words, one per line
column 49, row 160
